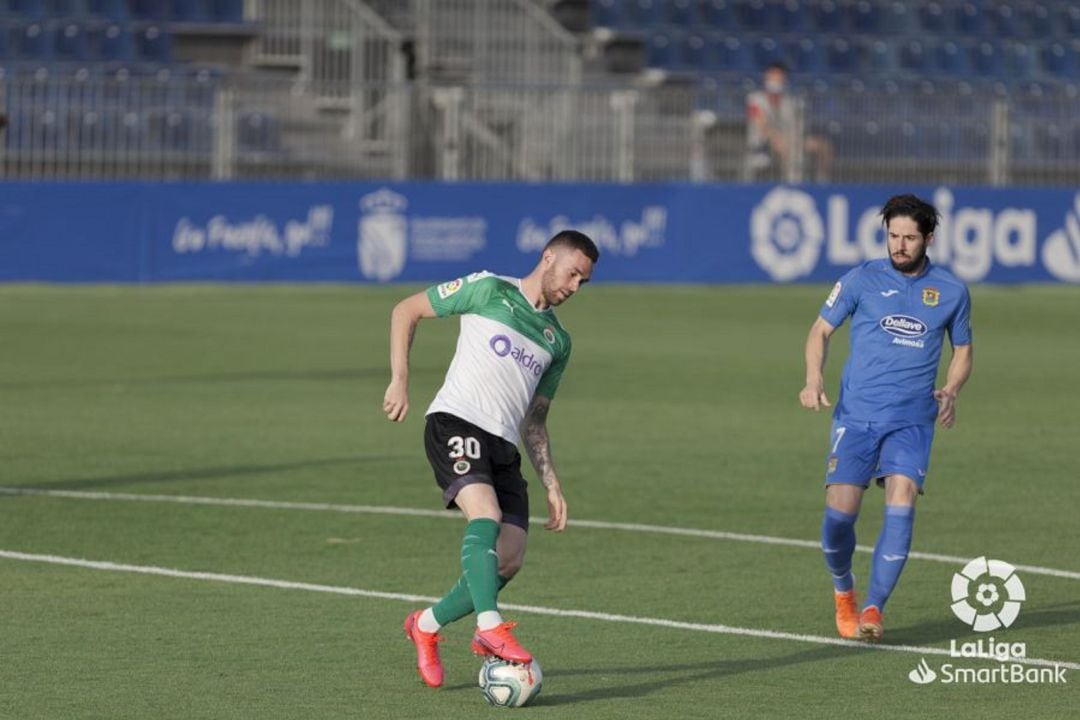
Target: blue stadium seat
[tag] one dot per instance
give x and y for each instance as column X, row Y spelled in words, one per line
column 1060, row 59
column 791, row 16
column 606, row 13
column 680, row 12
column 718, row 14
column 1040, row 22
column 642, row 13
column 1002, row 21
column 754, row 15
column 912, row 57
column 258, row 131
column 33, row 42
column 984, row 59
column 659, row 50
column 863, row 16
column 171, row 130
column 1068, row 20
column 148, row 9
column 40, row 129
column 729, row 53
column 949, row 58
column 5, row 45
column 153, row 44
column 115, row 10
column 1019, row 61
column 765, row 50
column 968, row 19
column 691, row 52
column 897, row 18
column 840, row 56
column 65, row 8
column 69, row 42
column 933, row 20
column 825, row 17
column 806, row 55
column 874, row 55
column 187, row 11
column 111, row 43
column 229, row 11
column 28, row 9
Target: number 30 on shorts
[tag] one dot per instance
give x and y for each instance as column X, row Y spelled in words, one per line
column 464, row 447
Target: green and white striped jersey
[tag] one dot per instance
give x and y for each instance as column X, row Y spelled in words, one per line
column 507, row 351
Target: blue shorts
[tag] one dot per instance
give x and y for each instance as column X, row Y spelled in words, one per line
column 863, row 451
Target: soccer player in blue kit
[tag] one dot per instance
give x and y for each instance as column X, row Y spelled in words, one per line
column 901, row 307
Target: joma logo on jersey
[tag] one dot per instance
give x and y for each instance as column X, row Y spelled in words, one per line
column 504, row 347
column 903, row 326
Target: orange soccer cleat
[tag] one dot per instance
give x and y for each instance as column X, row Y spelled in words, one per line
column 847, row 614
column 499, row 641
column 427, row 650
column 871, row 626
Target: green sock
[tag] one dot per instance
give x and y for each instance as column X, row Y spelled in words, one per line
column 480, row 563
column 457, row 603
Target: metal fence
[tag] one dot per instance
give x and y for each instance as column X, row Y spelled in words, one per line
column 199, row 123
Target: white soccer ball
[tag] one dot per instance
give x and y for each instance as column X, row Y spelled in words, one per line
column 510, row 684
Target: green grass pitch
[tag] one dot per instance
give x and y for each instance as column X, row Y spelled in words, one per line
column 679, row 409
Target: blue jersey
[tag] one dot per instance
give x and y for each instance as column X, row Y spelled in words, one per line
column 898, row 324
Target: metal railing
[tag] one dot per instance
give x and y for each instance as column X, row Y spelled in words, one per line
column 184, row 123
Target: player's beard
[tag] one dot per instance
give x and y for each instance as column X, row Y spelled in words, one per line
column 550, row 295
column 912, row 264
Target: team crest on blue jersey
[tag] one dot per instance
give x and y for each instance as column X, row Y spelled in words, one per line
column 832, row 464
column 549, row 335
column 930, row 297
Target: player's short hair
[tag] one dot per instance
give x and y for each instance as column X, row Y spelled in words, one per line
column 923, row 213
column 777, row 65
column 575, row 241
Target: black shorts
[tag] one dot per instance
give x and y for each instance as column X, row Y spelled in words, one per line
column 460, row 453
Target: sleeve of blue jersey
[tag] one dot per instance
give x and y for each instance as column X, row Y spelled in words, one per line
column 844, row 297
column 960, row 326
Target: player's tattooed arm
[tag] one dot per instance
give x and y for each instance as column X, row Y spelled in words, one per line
column 536, row 440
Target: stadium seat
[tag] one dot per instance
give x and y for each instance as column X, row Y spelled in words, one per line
column 765, row 50
column 642, row 14
column 148, row 9
column 791, row 17
column 28, row 9
column 874, row 55
column 911, row 57
column 65, row 8
column 754, row 15
column 949, row 58
column 153, row 44
column 863, row 16
column 840, row 56
column 111, row 43
column 806, row 55
column 33, row 42
column 826, row 17
column 1019, row 61
column 227, row 11
column 69, row 42
column 984, row 59
column 1068, row 20
column 659, row 50
column 606, row 13
column 5, row 44
column 187, row 11
column 691, row 52
column 258, row 131
column 1060, row 59
column 728, row 53
column 933, row 20
column 718, row 14
column 967, row 19
column 115, row 10
column 680, row 12
column 1002, row 21
column 1040, row 22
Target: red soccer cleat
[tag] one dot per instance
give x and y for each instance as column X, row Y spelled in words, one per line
column 871, row 626
column 499, row 641
column 427, row 650
column 847, row 614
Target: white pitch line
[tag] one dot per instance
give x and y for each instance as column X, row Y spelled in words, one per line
column 529, row 609
column 418, row 512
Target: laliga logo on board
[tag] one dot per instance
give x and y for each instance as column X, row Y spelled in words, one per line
column 789, row 233
column 382, row 235
column 997, row 594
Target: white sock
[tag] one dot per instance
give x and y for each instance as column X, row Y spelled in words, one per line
column 488, row 619
column 427, row 622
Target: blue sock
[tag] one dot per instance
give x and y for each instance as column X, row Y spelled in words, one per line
column 890, row 553
column 838, row 544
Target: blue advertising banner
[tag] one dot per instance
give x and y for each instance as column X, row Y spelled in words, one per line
column 426, row 232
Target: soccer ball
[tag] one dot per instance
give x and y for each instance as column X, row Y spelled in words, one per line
column 510, row 684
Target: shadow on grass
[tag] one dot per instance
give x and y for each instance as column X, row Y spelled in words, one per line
column 1061, row 614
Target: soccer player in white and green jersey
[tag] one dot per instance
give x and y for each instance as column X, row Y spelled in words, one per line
column 511, row 353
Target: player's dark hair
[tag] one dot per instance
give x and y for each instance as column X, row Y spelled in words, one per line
column 923, row 213
column 777, row 65
column 576, row 241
